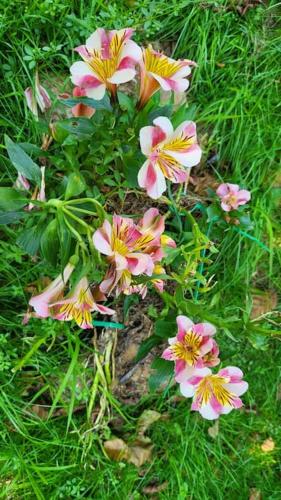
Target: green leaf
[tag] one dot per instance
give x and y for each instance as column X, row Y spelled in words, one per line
column 11, row 217
column 49, row 243
column 132, row 164
column 165, row 329
column 11, row 199
column 65, row 238
column 146, row 346
column 75, row 185
column 161, row 111
column 104, row 103
column 163, row 372
column 82, row 127
column 29, row 239
column 22, row 162
column 126, row 102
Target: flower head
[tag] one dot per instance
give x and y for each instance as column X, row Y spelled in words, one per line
column 37, row 97
column 188, row 348
column 41, row 303
column 158, row 70
column 79, row 304
column 81, row 109
column 232, row 196
column 169, row 153
column 22, row 183
column 109, row 58
column 215, row 395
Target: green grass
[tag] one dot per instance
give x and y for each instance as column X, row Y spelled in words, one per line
column 235, row 98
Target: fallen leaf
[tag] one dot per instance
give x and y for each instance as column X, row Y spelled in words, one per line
column 155, row 488
column 116, row 449
column 213, row 431
column 147, row 418
column 136, row 453
column 263, row 302
column 255, row 494
column 40, row 411
column 268, row 445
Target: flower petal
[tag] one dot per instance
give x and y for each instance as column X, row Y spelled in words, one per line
column 102, row 238
column 184, row 324
column 122, row 76
column 165, row 124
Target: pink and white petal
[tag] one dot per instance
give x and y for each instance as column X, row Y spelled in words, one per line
column 165, row 124
column 187, row 390
column 231, row 371
column 222, row 190
column 82, row 51
column 206, row 347
column 120, row 262
column 208, row 412
column 237, row 388
column 146, row 134
column 183, row 72
column 78, row 70
column 95, row 40
column 185, row 374
column 243, row 196
column 102, row 238
column 132, row 50
column 189, row 158
column 205, row 329
column 172, row 340
column 188, row 128
column 168, row 354
column 168, row 84
column 152, row 179
column 226, row 207
column 96, row 93
column 103, row 309
column 184, row 325
column 139, row 263
column 122, row 76
column 233, row 188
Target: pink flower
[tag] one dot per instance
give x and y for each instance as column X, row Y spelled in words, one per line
column 37, row 97
column 109, row 58
column 215, row 395
column 22, row 183
column 41, row 303
column 187, row 349
column 169, row 154
column 79, row 304
column 232, row 196
column 158, row 70
column 81, row 109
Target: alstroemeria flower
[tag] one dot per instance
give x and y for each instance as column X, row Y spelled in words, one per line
column 158, row 70
column 81, row 109
column 109, row 58
column 37, row 97
column 169, row 154
column 79, row 304
column 39, row 195
column 232, row 196
column 140, row 289
column 211, row 358
column 215, row 395
column 123, row 244
column 189, row 346
column 41, row 303
column 22, row 183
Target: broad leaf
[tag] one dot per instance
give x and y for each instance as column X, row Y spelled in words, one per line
column 49, row 243
column 29, row 239
column 11, row 199
column 11, row 217
column 75, row 185
column 162, row 375
column 82, row 127
column 22, row 162
column 103, row 103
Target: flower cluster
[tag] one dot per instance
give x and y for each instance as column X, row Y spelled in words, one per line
column 194, row 352
column 132, row 250
column 232, row 196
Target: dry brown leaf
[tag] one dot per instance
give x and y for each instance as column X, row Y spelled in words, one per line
column 263, row 302
column 268, row 445
column 154, row 488
column 137, row 453
column 147, row 418
column 255, row 494
column 214, row 430
column 40, row 411
column 116, row 449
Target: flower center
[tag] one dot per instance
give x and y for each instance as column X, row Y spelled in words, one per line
column 188, row 349
column 119, row 247
column 106, row 67
column 213, row 385
column 159, row 64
